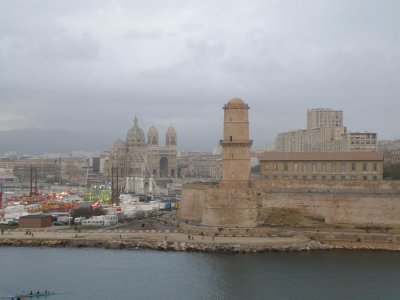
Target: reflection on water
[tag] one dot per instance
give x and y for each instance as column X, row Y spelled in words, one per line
column 111, row 274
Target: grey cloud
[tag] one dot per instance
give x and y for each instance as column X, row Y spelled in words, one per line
column 143, row 34
column 91, row 66
column 69, row 48
column 204, row 51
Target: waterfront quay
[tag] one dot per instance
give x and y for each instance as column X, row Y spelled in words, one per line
column 149, row 239
column 169, row 233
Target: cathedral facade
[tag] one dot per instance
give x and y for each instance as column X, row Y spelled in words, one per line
column 141, row 157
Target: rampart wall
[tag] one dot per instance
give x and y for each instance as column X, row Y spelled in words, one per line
column 256, row 202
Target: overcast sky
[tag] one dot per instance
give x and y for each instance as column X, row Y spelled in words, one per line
column 90, row 66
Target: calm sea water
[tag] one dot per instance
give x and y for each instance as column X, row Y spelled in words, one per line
column 138, row 274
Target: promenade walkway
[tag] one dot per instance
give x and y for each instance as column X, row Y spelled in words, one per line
column 148, row 235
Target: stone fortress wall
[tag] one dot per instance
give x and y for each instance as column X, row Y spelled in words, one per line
column 356, row 203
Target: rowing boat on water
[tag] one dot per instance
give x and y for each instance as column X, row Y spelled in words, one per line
column 33, row 295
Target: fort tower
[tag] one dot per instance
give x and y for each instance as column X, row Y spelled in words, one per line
column 236, row 144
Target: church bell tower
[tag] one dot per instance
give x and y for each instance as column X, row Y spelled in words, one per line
column 236, row 144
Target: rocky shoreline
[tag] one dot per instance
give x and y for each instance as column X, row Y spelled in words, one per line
column 202, row 239
column 163, row 245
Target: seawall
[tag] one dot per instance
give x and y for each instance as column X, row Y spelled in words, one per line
column 206, row 239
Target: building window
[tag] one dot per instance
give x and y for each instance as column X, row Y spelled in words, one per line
column 295, row 167
column 365, row 167
column 365, row 177
column 353, row 167
column 285, row 166
column 314, row 177
column 343, row 177
column 266, row 167
column 333, row 177
column 295, row 177
column 231, row 138
column 275, row 167
column 304, row 167
column 323, row 167
column 375, row 178
column 314, row 167
column 323, row 177
column 374, row 167
column 333, row 167
column 305, row 177
column 343, row 167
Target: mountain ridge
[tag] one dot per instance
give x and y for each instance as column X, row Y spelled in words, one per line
column 40, row 141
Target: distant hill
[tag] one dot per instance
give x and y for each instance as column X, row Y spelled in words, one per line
column 37, row 141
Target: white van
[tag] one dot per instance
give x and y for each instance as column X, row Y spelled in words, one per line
column 8, row 221
column 64, row 219
column 79, row 220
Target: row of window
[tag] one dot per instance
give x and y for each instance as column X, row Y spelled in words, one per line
column 323, row 177
column 366, row 142
column 324, row 167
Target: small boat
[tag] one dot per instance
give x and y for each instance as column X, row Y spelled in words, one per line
column 32, row 295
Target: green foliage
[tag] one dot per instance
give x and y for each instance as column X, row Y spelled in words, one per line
column 256, row 169
column 391, row 172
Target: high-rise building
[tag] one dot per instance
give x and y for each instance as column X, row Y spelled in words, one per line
column 325, row 133
column 324, row 117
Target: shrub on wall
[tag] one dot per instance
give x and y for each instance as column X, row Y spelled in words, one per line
column 391, row 172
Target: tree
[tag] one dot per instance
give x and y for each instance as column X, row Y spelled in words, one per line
column 391, row 171
column 87, row 212
column 256, row 169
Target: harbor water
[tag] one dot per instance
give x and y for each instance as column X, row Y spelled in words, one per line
column 139, row 274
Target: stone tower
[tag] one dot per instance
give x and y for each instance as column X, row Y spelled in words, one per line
column 236, row 144
column 152, row 137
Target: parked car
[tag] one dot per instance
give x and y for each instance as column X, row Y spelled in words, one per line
column 58, row 223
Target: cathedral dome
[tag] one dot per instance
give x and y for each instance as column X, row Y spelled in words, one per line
column 171, row 136
column 119, row 143
column 135, row 137
column 152, row 136
column 119, row 146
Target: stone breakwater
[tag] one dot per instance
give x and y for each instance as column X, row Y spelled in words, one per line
column 165, row 245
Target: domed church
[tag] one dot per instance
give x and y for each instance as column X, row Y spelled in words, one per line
column 138, row 157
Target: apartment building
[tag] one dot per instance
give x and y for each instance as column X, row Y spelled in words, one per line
column 324, row 117
column 325, row 133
